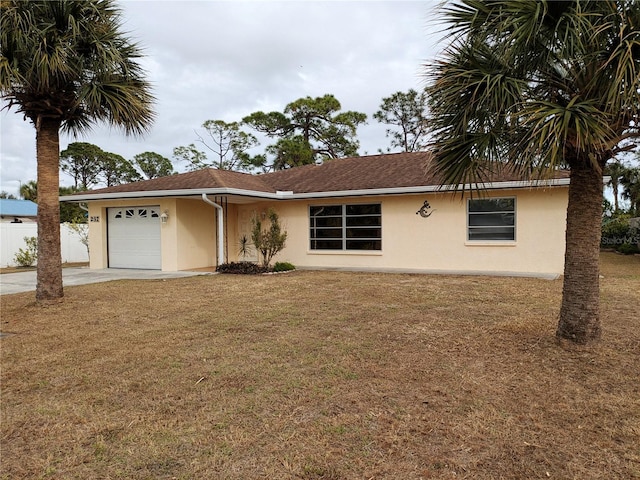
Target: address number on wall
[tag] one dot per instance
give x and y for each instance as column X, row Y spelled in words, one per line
column 94, row 219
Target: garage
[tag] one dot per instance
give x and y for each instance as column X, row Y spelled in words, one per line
column 133, row 235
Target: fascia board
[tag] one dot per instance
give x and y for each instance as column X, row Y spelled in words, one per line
column 187, row 192
column 331, row 194
column 429, row 189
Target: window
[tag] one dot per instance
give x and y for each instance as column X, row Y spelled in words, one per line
column 491, row 219
column 346, row 227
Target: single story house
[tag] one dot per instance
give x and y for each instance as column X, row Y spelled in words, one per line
column 380, row 213
column 18, row 211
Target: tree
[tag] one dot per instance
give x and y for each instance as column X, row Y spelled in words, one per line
column 66, row 65
column 71, row 212
column 615, row 170
column 194, row 158
column 116, row 170
column 291, row 152
column 308, row 130
column 29, row 191
column 153, row 165
column 541, row 85
column 228, row 144
column 7, row 195
column 408, row 112
column 630, row 180
column 82, row 162
column 269, row 242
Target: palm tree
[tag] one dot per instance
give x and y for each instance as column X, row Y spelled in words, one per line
column 616, row 170
column 631, row 183
column 542, row 85
column 65, row 65
column 29, row 191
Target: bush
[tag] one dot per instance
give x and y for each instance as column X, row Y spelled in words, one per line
column 283, row 267
column 269, row 241
column 26, row 258
column 628, row 249
column 616, row 232
column 245, row 268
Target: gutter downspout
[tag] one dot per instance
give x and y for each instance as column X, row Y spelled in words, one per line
column 220, row 227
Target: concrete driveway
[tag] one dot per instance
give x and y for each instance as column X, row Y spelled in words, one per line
column 26, row 281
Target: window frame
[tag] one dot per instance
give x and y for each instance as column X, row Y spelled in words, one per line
column 344, row 227
column 470, row 227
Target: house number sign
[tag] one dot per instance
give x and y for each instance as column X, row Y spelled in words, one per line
column 94, row 219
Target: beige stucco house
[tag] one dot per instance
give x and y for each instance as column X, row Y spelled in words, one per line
column 380, row 212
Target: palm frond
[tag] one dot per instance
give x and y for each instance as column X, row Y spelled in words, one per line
column 68, row 59
column 537, row 84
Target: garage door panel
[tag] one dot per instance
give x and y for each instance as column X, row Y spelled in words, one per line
column 134, row 237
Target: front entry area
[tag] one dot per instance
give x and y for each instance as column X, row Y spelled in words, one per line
column 133, row 235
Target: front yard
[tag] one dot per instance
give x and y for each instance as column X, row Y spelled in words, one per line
column 320, row 375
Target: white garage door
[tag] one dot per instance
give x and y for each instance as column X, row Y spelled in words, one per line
column 134, row 237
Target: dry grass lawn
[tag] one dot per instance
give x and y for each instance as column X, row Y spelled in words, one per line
column 320, row 375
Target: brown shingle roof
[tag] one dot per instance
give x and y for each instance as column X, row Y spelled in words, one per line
column 357, row 173
column 200, row 179
column 385, row 171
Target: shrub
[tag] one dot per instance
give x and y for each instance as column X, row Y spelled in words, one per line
column 615, row 232
column 283, row 267
column 244, row 246
column 245, row 268
column 628, row 249
column 26, row 258
column 268, row 242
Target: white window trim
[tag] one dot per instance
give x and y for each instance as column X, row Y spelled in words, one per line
column 494, row 243
column 343, row 250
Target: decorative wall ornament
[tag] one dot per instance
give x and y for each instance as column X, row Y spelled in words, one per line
column 424, row 210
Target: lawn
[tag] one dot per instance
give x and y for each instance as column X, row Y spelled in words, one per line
column 320, row 375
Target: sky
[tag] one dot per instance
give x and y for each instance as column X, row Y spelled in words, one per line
column 222, row 60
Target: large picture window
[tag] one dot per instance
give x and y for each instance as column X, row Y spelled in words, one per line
column 346, row 227
column 491, row 219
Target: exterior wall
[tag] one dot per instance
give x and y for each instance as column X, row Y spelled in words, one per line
column 195, row 245
column 98, row 248
column 188, row 239
column 439, row 242
column 409, row 242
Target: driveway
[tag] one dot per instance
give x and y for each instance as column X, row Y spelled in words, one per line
column 26, row 281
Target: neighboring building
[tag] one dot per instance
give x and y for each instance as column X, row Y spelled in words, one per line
column 380, row 212
column 18, row 211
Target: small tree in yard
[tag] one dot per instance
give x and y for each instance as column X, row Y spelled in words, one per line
column 27, row 257
column 82, row 232
column 269, row 242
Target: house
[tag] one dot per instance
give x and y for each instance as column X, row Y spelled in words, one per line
column 18, row 211
column 379, row 212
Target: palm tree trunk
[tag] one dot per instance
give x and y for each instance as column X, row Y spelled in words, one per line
column 580, row 310
column 49, row 274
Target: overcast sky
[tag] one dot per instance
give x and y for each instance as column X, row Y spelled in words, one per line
column 210, row 60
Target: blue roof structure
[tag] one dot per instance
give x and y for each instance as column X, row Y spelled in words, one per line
column 17, row 208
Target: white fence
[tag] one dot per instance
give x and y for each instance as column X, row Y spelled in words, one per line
column 12, row 239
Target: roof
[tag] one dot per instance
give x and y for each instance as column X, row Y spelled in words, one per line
column 207, row 178
column 368, row 175
column 18, row 208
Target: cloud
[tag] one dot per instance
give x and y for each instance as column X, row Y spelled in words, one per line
column 223, row 60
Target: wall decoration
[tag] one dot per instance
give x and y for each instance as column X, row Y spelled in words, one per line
column 424, row 210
